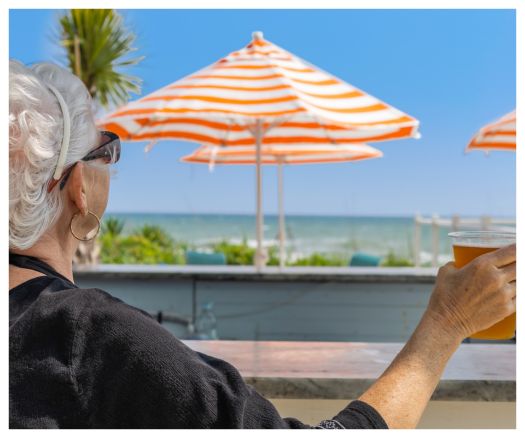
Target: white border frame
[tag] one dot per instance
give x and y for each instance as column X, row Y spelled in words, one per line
column 5, row 5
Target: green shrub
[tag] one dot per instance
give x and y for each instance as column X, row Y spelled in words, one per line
column 147, row 245
column 156, row 234
column 112, row 226
column 236, row 253
column 242, row 254
column 393, row 260
column 318, row 259
column 273, row 256
column 151, row 244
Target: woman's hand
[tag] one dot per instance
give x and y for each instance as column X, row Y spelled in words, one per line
column 464, row 301
column 476, row 296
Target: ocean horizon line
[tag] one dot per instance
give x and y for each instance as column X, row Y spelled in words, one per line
column 290, row 215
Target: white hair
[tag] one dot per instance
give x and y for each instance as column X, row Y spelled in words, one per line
column 35, row 137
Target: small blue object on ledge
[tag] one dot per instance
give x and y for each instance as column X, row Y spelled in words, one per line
column 362, row 259
column 204, row 258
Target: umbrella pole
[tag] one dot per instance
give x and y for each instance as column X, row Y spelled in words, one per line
column 281, row 215
column 259, row 256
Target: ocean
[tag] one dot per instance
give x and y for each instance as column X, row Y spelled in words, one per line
column 305, row 234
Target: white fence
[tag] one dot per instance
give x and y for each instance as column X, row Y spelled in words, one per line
column 454, row 223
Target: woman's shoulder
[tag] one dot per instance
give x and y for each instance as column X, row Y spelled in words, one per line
column 101, row 306
column 104, row 322
column 94, row 307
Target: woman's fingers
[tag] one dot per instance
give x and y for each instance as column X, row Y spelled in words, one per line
column 502, row 256
column 510, row 289
column 509, row 272
column 511, row 306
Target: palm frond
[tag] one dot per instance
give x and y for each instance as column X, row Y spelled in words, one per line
column 98, row 48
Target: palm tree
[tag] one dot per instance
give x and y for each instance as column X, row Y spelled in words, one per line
column 112, row 226
column 98, row 46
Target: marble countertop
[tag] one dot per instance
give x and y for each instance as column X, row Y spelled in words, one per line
column 344, row 370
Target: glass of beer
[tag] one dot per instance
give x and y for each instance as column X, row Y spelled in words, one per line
column 467, row 246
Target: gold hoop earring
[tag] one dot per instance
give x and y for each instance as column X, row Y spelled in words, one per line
column 85, row 239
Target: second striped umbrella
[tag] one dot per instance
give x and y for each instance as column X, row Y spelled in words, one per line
column 280, row 156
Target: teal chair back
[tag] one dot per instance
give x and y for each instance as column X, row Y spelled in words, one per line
column 204, row 258
column 362, row 259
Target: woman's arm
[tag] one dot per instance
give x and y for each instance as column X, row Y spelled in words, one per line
column 463, row 302
column 401, row 394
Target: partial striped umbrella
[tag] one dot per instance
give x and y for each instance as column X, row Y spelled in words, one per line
column 327, row 153
column 259, row 96
column 280, row 156
column 499, row 135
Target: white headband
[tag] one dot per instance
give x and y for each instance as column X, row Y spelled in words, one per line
column 66, row 134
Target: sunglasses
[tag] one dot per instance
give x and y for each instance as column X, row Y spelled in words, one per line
column 108, row 152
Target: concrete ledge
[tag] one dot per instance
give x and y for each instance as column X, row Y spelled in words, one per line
column 249, row 273
column 348, row 389
column 344, row 370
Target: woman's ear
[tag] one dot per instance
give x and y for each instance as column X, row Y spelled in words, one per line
column 77, row 189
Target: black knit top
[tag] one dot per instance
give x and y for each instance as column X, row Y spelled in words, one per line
column 81, row 358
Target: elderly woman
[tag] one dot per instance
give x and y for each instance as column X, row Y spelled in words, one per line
column 80, row 358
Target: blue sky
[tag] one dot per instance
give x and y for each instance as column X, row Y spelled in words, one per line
column 454, row 70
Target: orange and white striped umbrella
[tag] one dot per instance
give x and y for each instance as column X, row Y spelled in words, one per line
column 280, row 156
column 499, row 135
column 297, row 103
column 259, row 96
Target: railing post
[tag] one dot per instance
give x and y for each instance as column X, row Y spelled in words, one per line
column 435, row 239
column 455, row 223
column 417, row 240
